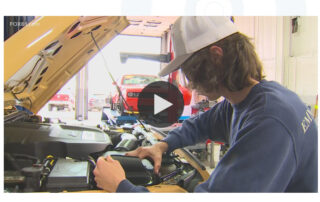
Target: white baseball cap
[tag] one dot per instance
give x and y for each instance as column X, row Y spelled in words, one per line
column 192, row 33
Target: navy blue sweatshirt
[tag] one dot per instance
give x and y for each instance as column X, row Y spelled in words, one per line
column 273, row 143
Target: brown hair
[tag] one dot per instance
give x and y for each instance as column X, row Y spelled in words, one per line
column 233, row 70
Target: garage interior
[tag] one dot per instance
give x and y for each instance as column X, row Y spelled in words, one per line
column 286, row 45
column 289, row 56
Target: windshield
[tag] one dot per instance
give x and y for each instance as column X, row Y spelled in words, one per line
column 139, row 79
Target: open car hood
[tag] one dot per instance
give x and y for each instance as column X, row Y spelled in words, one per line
column 49, row 51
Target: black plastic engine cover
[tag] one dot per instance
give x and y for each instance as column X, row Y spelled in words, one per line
column 134, row 169
column 40, row 140
column 138, row 172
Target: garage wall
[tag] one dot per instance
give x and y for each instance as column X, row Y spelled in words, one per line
column 290, row 59
column 264, row 32
column 301, row 58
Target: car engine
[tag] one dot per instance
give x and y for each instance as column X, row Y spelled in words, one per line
column 46, row 157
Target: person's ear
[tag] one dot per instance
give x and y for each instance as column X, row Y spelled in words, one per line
column 216, row 51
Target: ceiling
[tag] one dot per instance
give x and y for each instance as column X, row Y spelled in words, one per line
column 148, row 25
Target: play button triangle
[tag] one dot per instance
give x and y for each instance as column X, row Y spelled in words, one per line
column 160, row 104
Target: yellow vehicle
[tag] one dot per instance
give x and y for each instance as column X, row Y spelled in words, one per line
column 45, row 157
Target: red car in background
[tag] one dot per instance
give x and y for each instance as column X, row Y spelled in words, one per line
column 131, row 85
column 61, row 101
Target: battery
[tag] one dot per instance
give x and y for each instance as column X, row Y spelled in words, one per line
column 69, row 174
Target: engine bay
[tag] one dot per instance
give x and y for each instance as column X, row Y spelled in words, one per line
column 46, row 157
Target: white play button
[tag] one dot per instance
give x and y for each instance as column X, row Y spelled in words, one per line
column 160, row 104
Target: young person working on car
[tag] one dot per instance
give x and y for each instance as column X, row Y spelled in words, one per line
column 271, row 133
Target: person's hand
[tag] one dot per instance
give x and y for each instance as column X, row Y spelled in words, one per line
column 108, row 173
column 154, row 152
